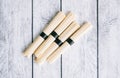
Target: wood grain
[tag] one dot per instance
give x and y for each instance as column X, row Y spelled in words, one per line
column 109, row 38
column 80, row 60
column 43, row 11
column 15, row 35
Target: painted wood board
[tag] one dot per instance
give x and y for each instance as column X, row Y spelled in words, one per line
column 43, row 12
column 109, row 39
column 80, row 61
column 15, row 35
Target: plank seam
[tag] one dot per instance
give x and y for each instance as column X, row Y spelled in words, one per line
column 97, row 38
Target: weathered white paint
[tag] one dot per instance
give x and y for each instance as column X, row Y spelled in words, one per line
column 15, row 35
column 109, row 38
column 43, row 11
column 80, row 61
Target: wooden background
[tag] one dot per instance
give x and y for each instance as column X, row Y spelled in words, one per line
column 96, row 55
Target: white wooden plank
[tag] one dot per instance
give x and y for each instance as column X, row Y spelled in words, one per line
column 80, row 60
column 109, row 38
column 43, row 11
column 15, row 34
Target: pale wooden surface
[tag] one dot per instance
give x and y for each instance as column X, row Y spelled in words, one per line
column 80, row 61
column 15, row 35
column 109, row 38
column 43, row 11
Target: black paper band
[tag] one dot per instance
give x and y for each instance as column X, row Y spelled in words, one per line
column 43, row 35
column 54, row 34
column 58, row 42
column 70, row 41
